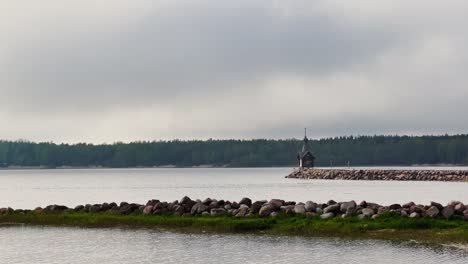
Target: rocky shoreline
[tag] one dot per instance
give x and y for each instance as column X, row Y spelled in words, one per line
column 380, row 175
column 247, row 208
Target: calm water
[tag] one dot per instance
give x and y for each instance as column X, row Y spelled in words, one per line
column 31, row 188
column 72, row 245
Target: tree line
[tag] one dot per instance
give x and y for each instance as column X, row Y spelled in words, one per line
column 338, row 151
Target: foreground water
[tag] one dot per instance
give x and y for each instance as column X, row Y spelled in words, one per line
column 73, row 245
column 31, row 188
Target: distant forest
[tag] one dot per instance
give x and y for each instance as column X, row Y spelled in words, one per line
column 359, row 151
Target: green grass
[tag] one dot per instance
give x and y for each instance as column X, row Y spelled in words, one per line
column 384, row 227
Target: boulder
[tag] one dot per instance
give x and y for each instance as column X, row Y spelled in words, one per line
column 408, row 205
column 382, row 210
column 362, row 216
column 78, row 208
column 363, row 204
column 185, row 200
column 198, row 208
column 288, row 210
column 344, row 206
column 459, row 208
column 350, row 211
column 299, row 209
column 266, row 210
column 448, row 211
column 334, row 208
column 179, row 209
column 276, row 204
column 95, row 208
column 438, row 205
column 432, row 212
column 207, row 201
column 152, row 202
column 327, row 215
column 310, row 206
column 148, row 210
column 394, row 207
column 235, row 205
column 414, row 215
column 246, row 201
column 125, row 209
column 243, row 211
column 256, row 206
column 331, row 202
column 367, row 212
column 217, row 211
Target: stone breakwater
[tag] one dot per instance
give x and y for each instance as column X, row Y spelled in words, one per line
column 273, row 208
column 381, row 175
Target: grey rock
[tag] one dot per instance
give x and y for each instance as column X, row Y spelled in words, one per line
column 408, row 205
column 368, row 212
column 243, row 211
column 299, row 209
column 327, row 215
column 256, row 206
column 266, row 210
column 148, row 210
column 448, row 211
column 334, row 208
column 198, row 208
column 276, row 204
column 344, row 206
column 414, row 215
column 246, row 201
column 217, row 211
column 310, row 206
column 361, row 216
column 438, row 205
column 433, row 211
column 459, row 208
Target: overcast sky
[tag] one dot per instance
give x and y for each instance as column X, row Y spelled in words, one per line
column 124, row 70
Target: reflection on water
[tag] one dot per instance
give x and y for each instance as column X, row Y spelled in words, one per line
column 74, row 245
column 31, row 188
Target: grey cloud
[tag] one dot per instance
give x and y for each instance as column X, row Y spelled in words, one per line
column 165, row 69
column 186, row 50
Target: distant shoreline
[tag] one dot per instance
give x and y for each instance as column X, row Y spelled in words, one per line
column 219, row 167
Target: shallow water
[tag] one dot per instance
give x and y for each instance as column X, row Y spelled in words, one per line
column 74, row 245
column 31, row 188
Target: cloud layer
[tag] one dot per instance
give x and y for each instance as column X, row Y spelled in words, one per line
column 102, row 71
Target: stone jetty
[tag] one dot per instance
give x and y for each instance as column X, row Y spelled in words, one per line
column 187, row 207
column 380, row 175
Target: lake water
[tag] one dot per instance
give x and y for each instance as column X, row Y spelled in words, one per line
column 35, row 245
column 74, row 245
column 30, row 188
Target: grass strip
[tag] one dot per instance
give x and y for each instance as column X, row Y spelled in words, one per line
column 387, row 227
